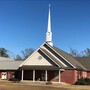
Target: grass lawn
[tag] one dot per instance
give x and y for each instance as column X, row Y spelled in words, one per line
column 20, row 86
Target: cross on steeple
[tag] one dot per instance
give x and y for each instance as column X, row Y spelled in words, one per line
column 49, row 33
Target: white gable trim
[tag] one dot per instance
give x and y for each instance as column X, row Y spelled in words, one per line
column 62, row 56
column 55, row 57
column 30, row 56
column 50, row 58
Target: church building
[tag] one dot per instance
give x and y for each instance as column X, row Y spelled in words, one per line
column 49, row 63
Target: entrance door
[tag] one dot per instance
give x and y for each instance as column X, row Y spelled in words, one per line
column 4, row 75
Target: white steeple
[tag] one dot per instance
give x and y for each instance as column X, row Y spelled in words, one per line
column 49, row 33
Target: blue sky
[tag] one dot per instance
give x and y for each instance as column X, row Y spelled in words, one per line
column 23, row 24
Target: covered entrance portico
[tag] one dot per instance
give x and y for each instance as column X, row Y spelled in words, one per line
column 42, row 74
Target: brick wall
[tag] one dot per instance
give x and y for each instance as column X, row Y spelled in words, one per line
column 69, row 76
column 0, row 75
column 9, row 74
column 88, row 74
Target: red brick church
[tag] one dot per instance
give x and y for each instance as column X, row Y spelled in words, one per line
column 48, row 63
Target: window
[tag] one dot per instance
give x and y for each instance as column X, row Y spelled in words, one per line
column 40, row 57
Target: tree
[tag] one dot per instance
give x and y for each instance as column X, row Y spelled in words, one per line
column 27, row 52
column 24, row 54
column 3, row 52
column 74, row 52
column 18, row 58
column 86, row 53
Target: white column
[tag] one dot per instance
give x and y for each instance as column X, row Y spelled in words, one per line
column 33, row 75
column 46, row 75
column 22, row 74
column 59, row 76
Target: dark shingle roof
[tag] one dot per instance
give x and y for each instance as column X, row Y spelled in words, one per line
column 85, row 61
column 67, row 58
column 53, row 58
column 64, row 57
column 70, row 58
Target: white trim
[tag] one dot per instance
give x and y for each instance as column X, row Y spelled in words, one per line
column 50, row 58
column 62, row 69
column 59, row 76
column 30, row 56
column 55, row 57
column 33, row 75
column 22, row 74
column 62, row 57
column 46, row 75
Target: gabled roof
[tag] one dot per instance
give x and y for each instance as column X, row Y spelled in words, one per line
column 70, row 59
column 66, row 58
column 85, row 61
column 57, row 56
column 9, row 64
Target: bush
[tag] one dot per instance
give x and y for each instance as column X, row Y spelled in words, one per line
column 14, row 80
column 83, row 81
column 87, row 80
column 48, row 83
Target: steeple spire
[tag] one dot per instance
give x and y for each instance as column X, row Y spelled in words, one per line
column 49, row 21
column 49, row 33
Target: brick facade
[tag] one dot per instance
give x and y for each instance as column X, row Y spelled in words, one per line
column 88, row 74
column 69, row 76
column 7, row 74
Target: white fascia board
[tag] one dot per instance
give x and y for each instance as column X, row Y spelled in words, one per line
column 56, row 57
column 30, row 56
column 50, row 58
column 62, row 57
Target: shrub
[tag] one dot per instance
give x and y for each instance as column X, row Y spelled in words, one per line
column 14, row 80
column 83, row 81
column 48, row 83
column 87, row 80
